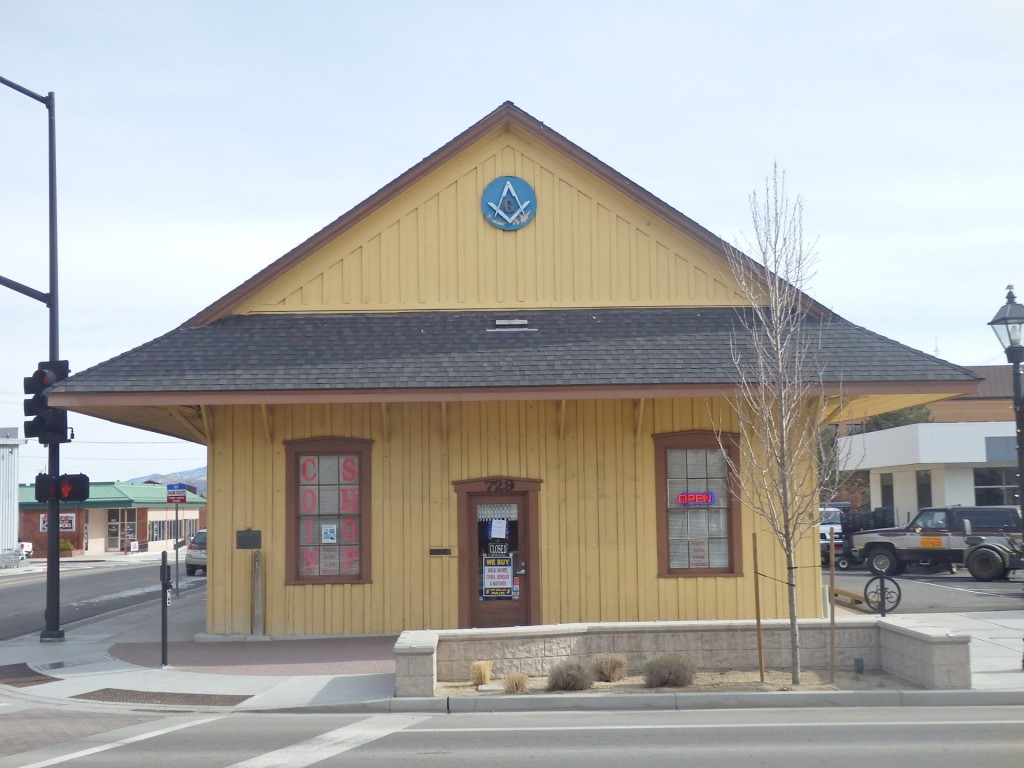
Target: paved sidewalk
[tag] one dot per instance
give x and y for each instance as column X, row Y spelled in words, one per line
column 118, row 658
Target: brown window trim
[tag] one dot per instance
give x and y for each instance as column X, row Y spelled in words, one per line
column 697, row 439
column 328, row 445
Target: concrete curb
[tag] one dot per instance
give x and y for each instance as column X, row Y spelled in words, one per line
column 672, row 702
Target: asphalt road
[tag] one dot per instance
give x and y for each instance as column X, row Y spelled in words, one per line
column 943, row 592
column 940, row 737
column 86, row 590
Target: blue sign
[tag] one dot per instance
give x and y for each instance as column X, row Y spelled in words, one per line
column 176, row 493
column 508, row 203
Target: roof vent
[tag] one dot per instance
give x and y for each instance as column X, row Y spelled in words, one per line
column 511, row 325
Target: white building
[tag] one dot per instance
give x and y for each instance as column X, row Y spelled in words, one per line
column 9, row 444
column 922, row 465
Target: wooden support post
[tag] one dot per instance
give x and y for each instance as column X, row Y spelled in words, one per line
column 757, row 611
column 832, row 605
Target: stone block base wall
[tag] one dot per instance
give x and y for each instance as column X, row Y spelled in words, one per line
column 416, row 663
column 923, row 657
column 930, row 656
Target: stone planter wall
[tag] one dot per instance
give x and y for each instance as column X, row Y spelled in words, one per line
column 923, row 657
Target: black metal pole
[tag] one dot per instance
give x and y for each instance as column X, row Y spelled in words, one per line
column 52, row 612
column 1015, row 355
column 51, row 108
column 165, row 600
column 177, row 538
column 53, row 630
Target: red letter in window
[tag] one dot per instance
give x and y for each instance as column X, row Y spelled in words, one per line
column 349, row 469
column 310, row 566
column 310, row 500
column 350, row 560
column 308, row 469
column 306, row 532
column 350, row 530
column 349, row 500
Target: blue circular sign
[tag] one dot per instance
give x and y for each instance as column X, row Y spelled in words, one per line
column 508, row 203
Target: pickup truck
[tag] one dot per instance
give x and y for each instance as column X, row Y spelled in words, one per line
column 935, row 535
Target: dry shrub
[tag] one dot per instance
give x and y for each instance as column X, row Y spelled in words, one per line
column 569, row 676
column 609, row 667
column 670, row 670
column 481, row 673
column 515, row 682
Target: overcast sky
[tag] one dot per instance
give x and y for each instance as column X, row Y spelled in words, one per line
column 197, row 142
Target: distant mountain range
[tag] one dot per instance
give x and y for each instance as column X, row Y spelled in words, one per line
column 194, row 477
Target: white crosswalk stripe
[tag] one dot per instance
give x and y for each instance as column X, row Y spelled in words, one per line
column 120, row 742
column 332, row 743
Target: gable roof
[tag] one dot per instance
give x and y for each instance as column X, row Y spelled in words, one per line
column 506, row 117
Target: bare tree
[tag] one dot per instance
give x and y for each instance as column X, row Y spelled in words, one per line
column 787, row 451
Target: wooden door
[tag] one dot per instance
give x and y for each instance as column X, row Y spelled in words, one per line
column 497, row 553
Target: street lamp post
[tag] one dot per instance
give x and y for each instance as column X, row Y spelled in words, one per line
column 1007, row 325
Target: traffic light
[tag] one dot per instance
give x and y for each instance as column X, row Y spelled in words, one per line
column 50, row 425
column 73, row 487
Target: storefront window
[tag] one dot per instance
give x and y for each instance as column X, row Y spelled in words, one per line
column 328, row 511
column 698, row 523
column 924, row 488
column 995, row 485
column 885, row 481
column 121, row 529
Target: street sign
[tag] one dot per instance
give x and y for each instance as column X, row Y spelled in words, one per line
column 176, row 493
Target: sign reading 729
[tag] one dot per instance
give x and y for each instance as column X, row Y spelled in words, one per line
column 500, row 486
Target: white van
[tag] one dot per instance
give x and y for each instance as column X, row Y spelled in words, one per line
column 831, row 524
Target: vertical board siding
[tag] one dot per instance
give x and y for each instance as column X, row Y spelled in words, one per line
column 596, row 517
column 589, row 245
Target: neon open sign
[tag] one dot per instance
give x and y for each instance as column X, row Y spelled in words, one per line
column 706, row 497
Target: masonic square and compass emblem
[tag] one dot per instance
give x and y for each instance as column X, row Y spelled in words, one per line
column 508, row 203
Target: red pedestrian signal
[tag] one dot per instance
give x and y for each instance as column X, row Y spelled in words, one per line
column 73, row 487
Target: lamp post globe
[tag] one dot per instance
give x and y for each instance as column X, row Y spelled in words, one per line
column 1007, row 325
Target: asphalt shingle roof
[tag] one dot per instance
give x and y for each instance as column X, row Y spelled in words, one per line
column 414, row 350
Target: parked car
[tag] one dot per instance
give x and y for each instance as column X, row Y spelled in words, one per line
column 937, row 535
column 195, row 554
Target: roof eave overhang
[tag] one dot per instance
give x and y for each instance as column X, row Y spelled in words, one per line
column 926, row 391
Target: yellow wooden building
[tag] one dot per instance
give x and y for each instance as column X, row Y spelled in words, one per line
column 485, row 396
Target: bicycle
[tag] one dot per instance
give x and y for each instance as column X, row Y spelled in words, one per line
column 879, row 588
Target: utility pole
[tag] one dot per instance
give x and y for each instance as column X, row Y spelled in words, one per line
column 52, row 630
